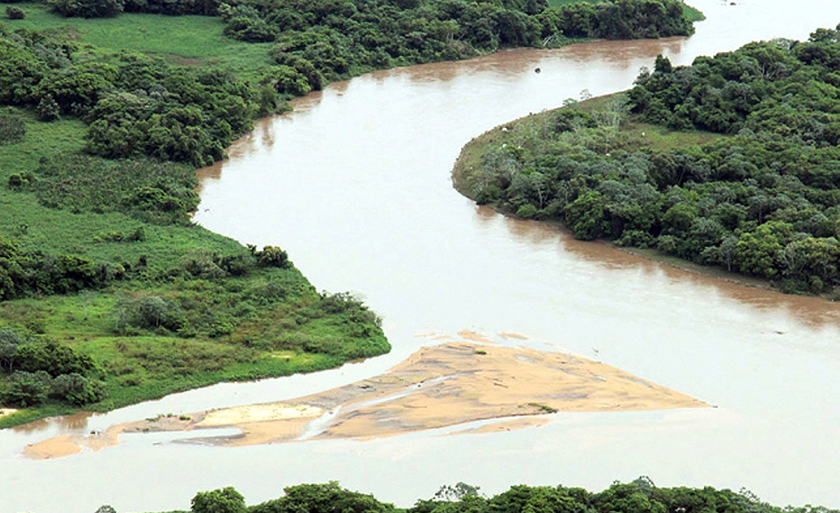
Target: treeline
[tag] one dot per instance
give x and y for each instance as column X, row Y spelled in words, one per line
column 338, row 39
column 763, row 201
column 640, row 496
column 138, row 106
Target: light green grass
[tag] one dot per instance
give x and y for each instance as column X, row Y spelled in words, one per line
column 187, row 40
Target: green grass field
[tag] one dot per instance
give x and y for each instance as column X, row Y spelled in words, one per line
column 182, row 40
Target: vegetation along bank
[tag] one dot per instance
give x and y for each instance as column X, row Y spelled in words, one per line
column 731, row 162
column 639, row 496
column 109, row 295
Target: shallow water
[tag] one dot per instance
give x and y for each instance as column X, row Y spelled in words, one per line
column 355, row 184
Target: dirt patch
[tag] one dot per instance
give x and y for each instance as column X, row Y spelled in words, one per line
column 436, row 387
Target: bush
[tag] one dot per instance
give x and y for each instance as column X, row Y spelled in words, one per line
column 15, row 13
column 86, row 8
column 76, row 389
column 223, row 500
column 48, row 109
column 27, row 389
column 10, row 340
column 272, row 256
column 55, row 359
column 150, row 312
column 12, row 130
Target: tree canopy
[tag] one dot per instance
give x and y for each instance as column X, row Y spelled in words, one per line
column 761, row 198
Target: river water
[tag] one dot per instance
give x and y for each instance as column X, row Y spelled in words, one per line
column 356, row 185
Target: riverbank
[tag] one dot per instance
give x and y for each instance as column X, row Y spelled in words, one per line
column 457, row 382
column 632, row 134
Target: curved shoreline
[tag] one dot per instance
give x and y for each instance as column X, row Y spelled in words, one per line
column 473, row 149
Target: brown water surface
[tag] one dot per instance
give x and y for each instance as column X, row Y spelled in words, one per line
column 355, row 184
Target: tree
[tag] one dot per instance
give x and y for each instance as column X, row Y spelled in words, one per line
column 27, row 389
column 222, row 500
column 322, row 498
column 9, row 343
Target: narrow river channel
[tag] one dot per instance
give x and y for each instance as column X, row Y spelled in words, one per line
column 356, row 185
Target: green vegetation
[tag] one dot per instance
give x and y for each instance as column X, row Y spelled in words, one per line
column 639, row 496
column 691, row 13
column 732, row 161
column 105, row 115
column 99, row 262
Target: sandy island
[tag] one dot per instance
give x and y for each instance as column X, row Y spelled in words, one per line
column 439, row 386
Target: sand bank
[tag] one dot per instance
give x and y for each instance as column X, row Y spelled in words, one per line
column 69, row 444
column 436, row 387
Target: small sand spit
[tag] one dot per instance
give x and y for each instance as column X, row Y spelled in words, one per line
column 436, row 387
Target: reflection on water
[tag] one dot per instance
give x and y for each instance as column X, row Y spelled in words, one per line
column 75, row 422
column 356, row 185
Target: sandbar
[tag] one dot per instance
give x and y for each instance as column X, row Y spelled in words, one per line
column 439, row 386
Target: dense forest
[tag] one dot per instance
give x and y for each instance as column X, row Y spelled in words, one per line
column 732, row 161
column 108, row 293
column 639, row 496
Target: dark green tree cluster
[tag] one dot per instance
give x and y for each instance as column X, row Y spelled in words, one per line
column 619, row 19
column 781, row 88
column 334, row 39
column 763, row 202
column 41, row 370
column 639, row 496
column 24, row 273
column 135, row 105
column 87, row 8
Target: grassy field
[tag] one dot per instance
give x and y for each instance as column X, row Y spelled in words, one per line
column 187, row 40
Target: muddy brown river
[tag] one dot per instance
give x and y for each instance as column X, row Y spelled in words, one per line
column 356, row 185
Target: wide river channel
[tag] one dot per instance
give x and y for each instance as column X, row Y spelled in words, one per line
column 356, row 185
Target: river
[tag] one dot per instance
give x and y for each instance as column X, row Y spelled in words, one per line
column 355, row 184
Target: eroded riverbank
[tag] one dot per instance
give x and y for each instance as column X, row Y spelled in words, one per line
column 439, row 386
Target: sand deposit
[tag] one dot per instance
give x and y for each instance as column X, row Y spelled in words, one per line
column 439, row 386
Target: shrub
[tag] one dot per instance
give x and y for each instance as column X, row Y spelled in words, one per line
column 86, row 8
column 19, row 181
column 223, row 500
column 76, row 389
column 10, row 340
column 27, row 389
column 150, row 312
column 272, row 256
column 12, row 130
column 15, row 13
column 527, row 211
column 48, row 109
column 53, row 358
